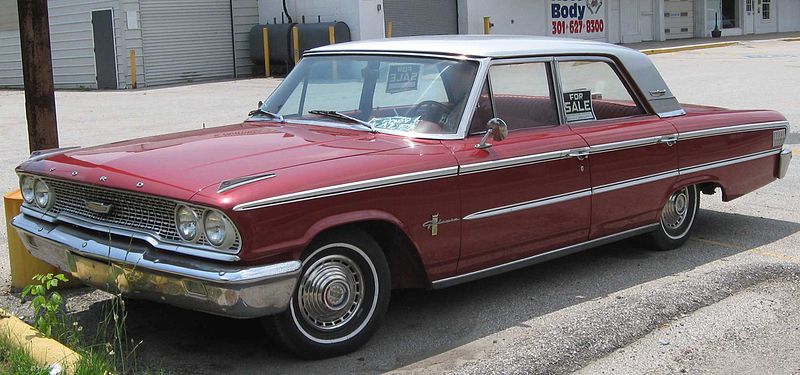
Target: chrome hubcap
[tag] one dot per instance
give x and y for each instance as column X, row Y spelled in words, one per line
column 330, row 292
column 674, row 213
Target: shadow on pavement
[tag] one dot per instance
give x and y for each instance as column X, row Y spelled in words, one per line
column 423, row 323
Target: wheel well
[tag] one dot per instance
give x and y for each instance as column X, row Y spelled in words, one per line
column 405, row 265
column 710, row 188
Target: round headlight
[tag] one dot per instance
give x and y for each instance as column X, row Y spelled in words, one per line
column 26, row 186
column 41, row 194
column 187, row 221
column 217, row 228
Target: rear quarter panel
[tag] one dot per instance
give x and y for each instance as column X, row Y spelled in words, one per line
column 738, row 177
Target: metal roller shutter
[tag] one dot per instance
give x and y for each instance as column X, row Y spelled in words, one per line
column 421, row 17
column 186, row 40
column 679, row 19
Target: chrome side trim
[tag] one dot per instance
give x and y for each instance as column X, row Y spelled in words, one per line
column 733, row 129
column 538, row 258
column 614, row 146
column 350, row 187
column 241, row 181
column 528, row 205
column 726, row 162
column 513, row 162
column 675, row 113
column 634, row 181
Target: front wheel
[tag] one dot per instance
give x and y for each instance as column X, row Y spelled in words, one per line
column 341, row 297
column 677, row 219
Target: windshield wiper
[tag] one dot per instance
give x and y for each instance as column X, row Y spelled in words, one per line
column 342, row 116
column 260, row 111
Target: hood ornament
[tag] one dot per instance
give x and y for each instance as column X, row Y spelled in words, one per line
column 103, row 178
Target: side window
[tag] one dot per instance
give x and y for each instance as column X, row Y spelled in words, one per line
column 483, row 112
column 522, row 95
column 593, row 91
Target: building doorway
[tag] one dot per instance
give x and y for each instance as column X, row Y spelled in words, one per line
column 105, row 55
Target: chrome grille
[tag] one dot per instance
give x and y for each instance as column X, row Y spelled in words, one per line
column 138, row 212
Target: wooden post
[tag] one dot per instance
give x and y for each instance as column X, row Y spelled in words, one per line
column 486, row 25
column 295, row 43
column 265, row 34
column 133, row 68
column 331, row 35
column 389, row 29
column 37, row 70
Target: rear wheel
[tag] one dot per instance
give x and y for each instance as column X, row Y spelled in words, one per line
column 677, row 219
column 341, row 297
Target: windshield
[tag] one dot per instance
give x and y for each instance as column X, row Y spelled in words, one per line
column 380, row 93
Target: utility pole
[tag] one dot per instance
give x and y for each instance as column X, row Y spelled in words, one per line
column 37, row 69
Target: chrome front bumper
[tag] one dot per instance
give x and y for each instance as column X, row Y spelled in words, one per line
column 121, row 265
column 783, row 163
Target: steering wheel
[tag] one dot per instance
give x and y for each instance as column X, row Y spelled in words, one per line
column 424, row 110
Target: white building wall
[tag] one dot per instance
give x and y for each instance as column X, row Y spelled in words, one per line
column 364, row 17
column 245, row 16
column 132, row 37
column 72, row 45
column 788, row 15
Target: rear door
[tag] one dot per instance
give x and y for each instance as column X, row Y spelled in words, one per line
column 530, row 192
column 632, row 158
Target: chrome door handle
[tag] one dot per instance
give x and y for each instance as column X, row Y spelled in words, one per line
column 580, row 153
column 670, row 140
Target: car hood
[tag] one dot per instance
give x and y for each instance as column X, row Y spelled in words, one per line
column 181, row 164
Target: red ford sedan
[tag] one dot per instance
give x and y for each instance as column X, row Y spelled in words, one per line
column 404, row 163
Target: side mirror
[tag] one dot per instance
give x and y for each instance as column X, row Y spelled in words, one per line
column 260, row 104
column 495, row 128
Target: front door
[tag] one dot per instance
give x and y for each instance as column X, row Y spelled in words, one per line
column 530, row 192
column 633, row 158
column 765, row 17
column 749, row 16
column 104, row 50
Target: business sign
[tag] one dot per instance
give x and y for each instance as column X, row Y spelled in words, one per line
column 578, row 18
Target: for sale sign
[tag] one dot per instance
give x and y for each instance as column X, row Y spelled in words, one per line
column 578, row 18
column 578, row 106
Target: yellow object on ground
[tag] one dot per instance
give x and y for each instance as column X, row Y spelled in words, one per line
column 690, row 47
column 44, row 350
column 23, row 265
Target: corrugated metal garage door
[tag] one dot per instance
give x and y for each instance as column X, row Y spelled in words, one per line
column 679, row 19
column 421, row 17
column 186, row 40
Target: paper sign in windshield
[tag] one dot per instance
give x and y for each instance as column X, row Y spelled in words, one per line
column 402, row 77
column 399, row 123
column 578, row 106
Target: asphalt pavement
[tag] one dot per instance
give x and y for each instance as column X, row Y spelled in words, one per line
column 726, row 302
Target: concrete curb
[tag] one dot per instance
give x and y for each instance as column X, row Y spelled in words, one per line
column 655, row 51
column 44, row 350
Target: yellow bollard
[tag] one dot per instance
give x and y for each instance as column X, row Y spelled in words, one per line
column 389, row 29
column 133, row 68
column 23, row 265
column 267, row 71
column 296, row 44
column 332, row 40
column 486, row 25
